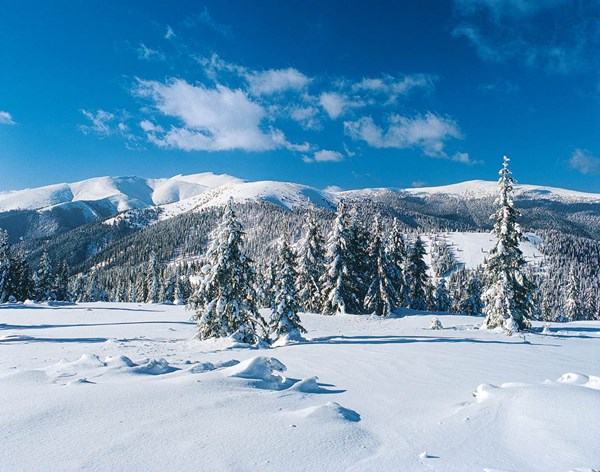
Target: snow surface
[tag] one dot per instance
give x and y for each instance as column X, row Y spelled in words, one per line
column 126, row 387
column 470, row 248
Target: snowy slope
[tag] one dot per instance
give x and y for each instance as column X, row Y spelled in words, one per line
column 475, row 189
column 123, row 387
column 125, row 192
column 471, row 248
column 208, row 189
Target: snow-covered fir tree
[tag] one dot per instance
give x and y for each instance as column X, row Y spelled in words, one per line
column 442, row 296
column 338, row 285
column 507, row 296
column 396, row 250
column 416, row 273
column 225, row 301
column 360, row 265
column 381, row 295
column 154, row 281
column 61, row 282
column 311, row 267
column 5, row 267
column 44, row 279
column 572, row 309
column 284, row 319
column 21, row 282
column 141, row 287
column 442, row 258
column 469, row 300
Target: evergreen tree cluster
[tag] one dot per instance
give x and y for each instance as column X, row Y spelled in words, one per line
column 19, row 283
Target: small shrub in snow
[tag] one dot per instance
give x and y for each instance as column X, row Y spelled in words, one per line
column 436, row 324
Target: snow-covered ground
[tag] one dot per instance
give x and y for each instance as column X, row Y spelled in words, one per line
column 470, row 248
column 124, row 387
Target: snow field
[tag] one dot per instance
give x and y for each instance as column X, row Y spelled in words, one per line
column 125, row 387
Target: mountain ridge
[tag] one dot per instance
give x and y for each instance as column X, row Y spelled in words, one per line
column 133, row 192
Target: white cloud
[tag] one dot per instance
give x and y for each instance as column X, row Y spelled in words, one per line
column 214, row 119
column 148, row 127
column 169, row 33
column 464, row 158
column 584, row 162
column 276, row 80
column 100, row 122
column 394, row 87
column 428, row 132
column 6, row 118
column 306, row 116
column 336, row 104
column 148, row 54
column 324, row 155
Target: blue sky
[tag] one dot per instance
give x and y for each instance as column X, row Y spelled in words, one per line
column 351, row 93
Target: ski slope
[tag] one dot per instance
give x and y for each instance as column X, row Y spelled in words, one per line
column 125, row 387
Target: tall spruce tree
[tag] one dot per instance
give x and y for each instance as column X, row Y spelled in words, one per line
column 360, row 265
column 154, row 281
column 572, row 307
column 507, row 296
column 381, row 295
column 416, row 272
column 442, row 296
column 5, row 267
column 44, row 279
column 339, row 289
column 397, row 255
column 311, row 267
column 21, row 282
column 470, row 297
column 61, row 282
column 284, row 319
column 225, row 301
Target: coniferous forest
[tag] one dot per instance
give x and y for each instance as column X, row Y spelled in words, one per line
column 362, row 256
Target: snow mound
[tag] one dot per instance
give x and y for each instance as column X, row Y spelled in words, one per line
column 202, row 367
column 327, row 412
column 309, row 385
column 589, row 381
column 264, row 372
column 154, row 367
column 290, row 338
column 259, row 368
column 118, row 361
column 539, row 415
column 82, row 381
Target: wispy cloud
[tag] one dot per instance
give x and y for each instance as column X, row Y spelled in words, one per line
column 549, row 34
column 276, row 80
column 169, row 33
column 391, row 88
column 149, row 54
column 499, row 86
column 428, row 132
column 6, row 118
column 100, row 122
column 324, row 155
column 204, row 18
column 585, row 162
column 337, row 104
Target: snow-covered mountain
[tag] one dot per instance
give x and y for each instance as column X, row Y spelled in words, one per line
column 122, row 193
column 53, row 209
column 208, row 189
